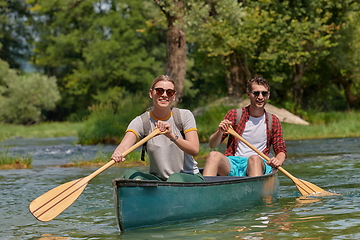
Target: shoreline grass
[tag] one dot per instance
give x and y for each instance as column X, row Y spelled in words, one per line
column 132, row 159
column 41, row 130
column 325, row 125
column 18, row 162
column 322, row 126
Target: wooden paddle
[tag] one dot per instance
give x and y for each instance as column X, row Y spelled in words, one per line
column 304, row 187
column 52, row 203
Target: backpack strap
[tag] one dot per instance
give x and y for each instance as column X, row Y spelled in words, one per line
column 239, row 114
column 145, row 117
column 270, row 121
column 178, row 121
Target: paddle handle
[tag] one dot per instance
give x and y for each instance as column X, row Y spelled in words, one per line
column 126, row 152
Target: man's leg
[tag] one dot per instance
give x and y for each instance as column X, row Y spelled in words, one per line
column 216, row 163
column 255, row 166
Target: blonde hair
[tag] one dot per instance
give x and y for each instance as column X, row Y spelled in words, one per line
column 162, row 78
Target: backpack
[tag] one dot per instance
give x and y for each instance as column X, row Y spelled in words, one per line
column 146, row 126
column 239, row 113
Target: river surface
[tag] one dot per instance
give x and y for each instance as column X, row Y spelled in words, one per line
column 332, row 164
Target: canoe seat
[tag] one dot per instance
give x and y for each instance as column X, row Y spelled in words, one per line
column 221, row 178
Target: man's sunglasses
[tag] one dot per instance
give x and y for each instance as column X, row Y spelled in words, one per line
column 257, row 93
column 169, row 92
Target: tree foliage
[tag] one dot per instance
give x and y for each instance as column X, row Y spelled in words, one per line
column 308, row 50
column 14, row 32
column 344, row 61
column 24, row 97
column 91, row 46
column 278, row 39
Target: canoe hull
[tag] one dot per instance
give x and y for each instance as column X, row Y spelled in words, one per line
column 145, row 203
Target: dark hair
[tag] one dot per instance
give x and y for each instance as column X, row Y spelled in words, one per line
column 258, row 80
column 163, row 78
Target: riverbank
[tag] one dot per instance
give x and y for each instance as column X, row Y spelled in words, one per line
column 41, row 130
column 10, row 162
column 322, row 126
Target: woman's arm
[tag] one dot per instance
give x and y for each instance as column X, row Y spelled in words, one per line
column 128, row 140
column 190, row 144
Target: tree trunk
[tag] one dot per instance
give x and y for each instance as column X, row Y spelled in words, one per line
column 238, row 75
column 176, row 57
column 297, row 90
column 176, row 45
column 351, row 99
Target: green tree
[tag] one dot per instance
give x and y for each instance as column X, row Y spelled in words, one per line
column 23, row 98
column 14, row 33
column 278, row 39
column 344, row 65
column 299, row 35
column 223, row 29
column 91, row 46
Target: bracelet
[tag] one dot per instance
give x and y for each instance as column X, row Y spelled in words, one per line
column 175, row 138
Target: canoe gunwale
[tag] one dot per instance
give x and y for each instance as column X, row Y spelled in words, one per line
column 209, row 181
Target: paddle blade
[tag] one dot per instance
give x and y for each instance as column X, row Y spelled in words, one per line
column 304, row 187
column 307, row 188
column 52, row 203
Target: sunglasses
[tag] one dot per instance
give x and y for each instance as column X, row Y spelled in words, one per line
column 169, row 92
column 257, row 93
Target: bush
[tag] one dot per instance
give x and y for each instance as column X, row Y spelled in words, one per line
column 23, row 98
column 207, row 122
column 111, row 116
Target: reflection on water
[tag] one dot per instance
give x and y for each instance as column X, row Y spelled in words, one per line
column 331, row 164
column 52, row 237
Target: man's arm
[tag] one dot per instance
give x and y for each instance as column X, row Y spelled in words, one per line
column 215, row 138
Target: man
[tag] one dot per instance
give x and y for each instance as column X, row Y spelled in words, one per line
column 257, row 127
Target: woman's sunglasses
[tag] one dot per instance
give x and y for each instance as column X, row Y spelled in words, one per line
column 257, row 93
column 169, row 92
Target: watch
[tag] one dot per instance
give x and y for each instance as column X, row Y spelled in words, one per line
column 175, row 138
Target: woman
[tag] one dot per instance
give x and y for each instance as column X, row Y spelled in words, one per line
column 170, row 154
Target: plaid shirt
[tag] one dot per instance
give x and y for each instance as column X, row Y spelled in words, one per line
column 274, row 137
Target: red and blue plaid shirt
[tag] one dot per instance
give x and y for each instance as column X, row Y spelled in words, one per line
column 274, row 136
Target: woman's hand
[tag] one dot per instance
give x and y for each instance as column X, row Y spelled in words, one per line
column 117, row 157
column 165, row 127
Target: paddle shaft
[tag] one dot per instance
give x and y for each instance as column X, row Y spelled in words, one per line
column 132, row 148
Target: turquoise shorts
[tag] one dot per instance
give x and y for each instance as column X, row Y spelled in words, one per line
column 238, row 166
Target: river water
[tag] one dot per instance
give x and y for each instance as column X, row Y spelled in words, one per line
column 332, row 164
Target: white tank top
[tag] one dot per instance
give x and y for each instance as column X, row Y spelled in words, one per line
column 254, row 133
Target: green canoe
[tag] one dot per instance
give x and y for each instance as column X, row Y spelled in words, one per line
column 140, row 203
